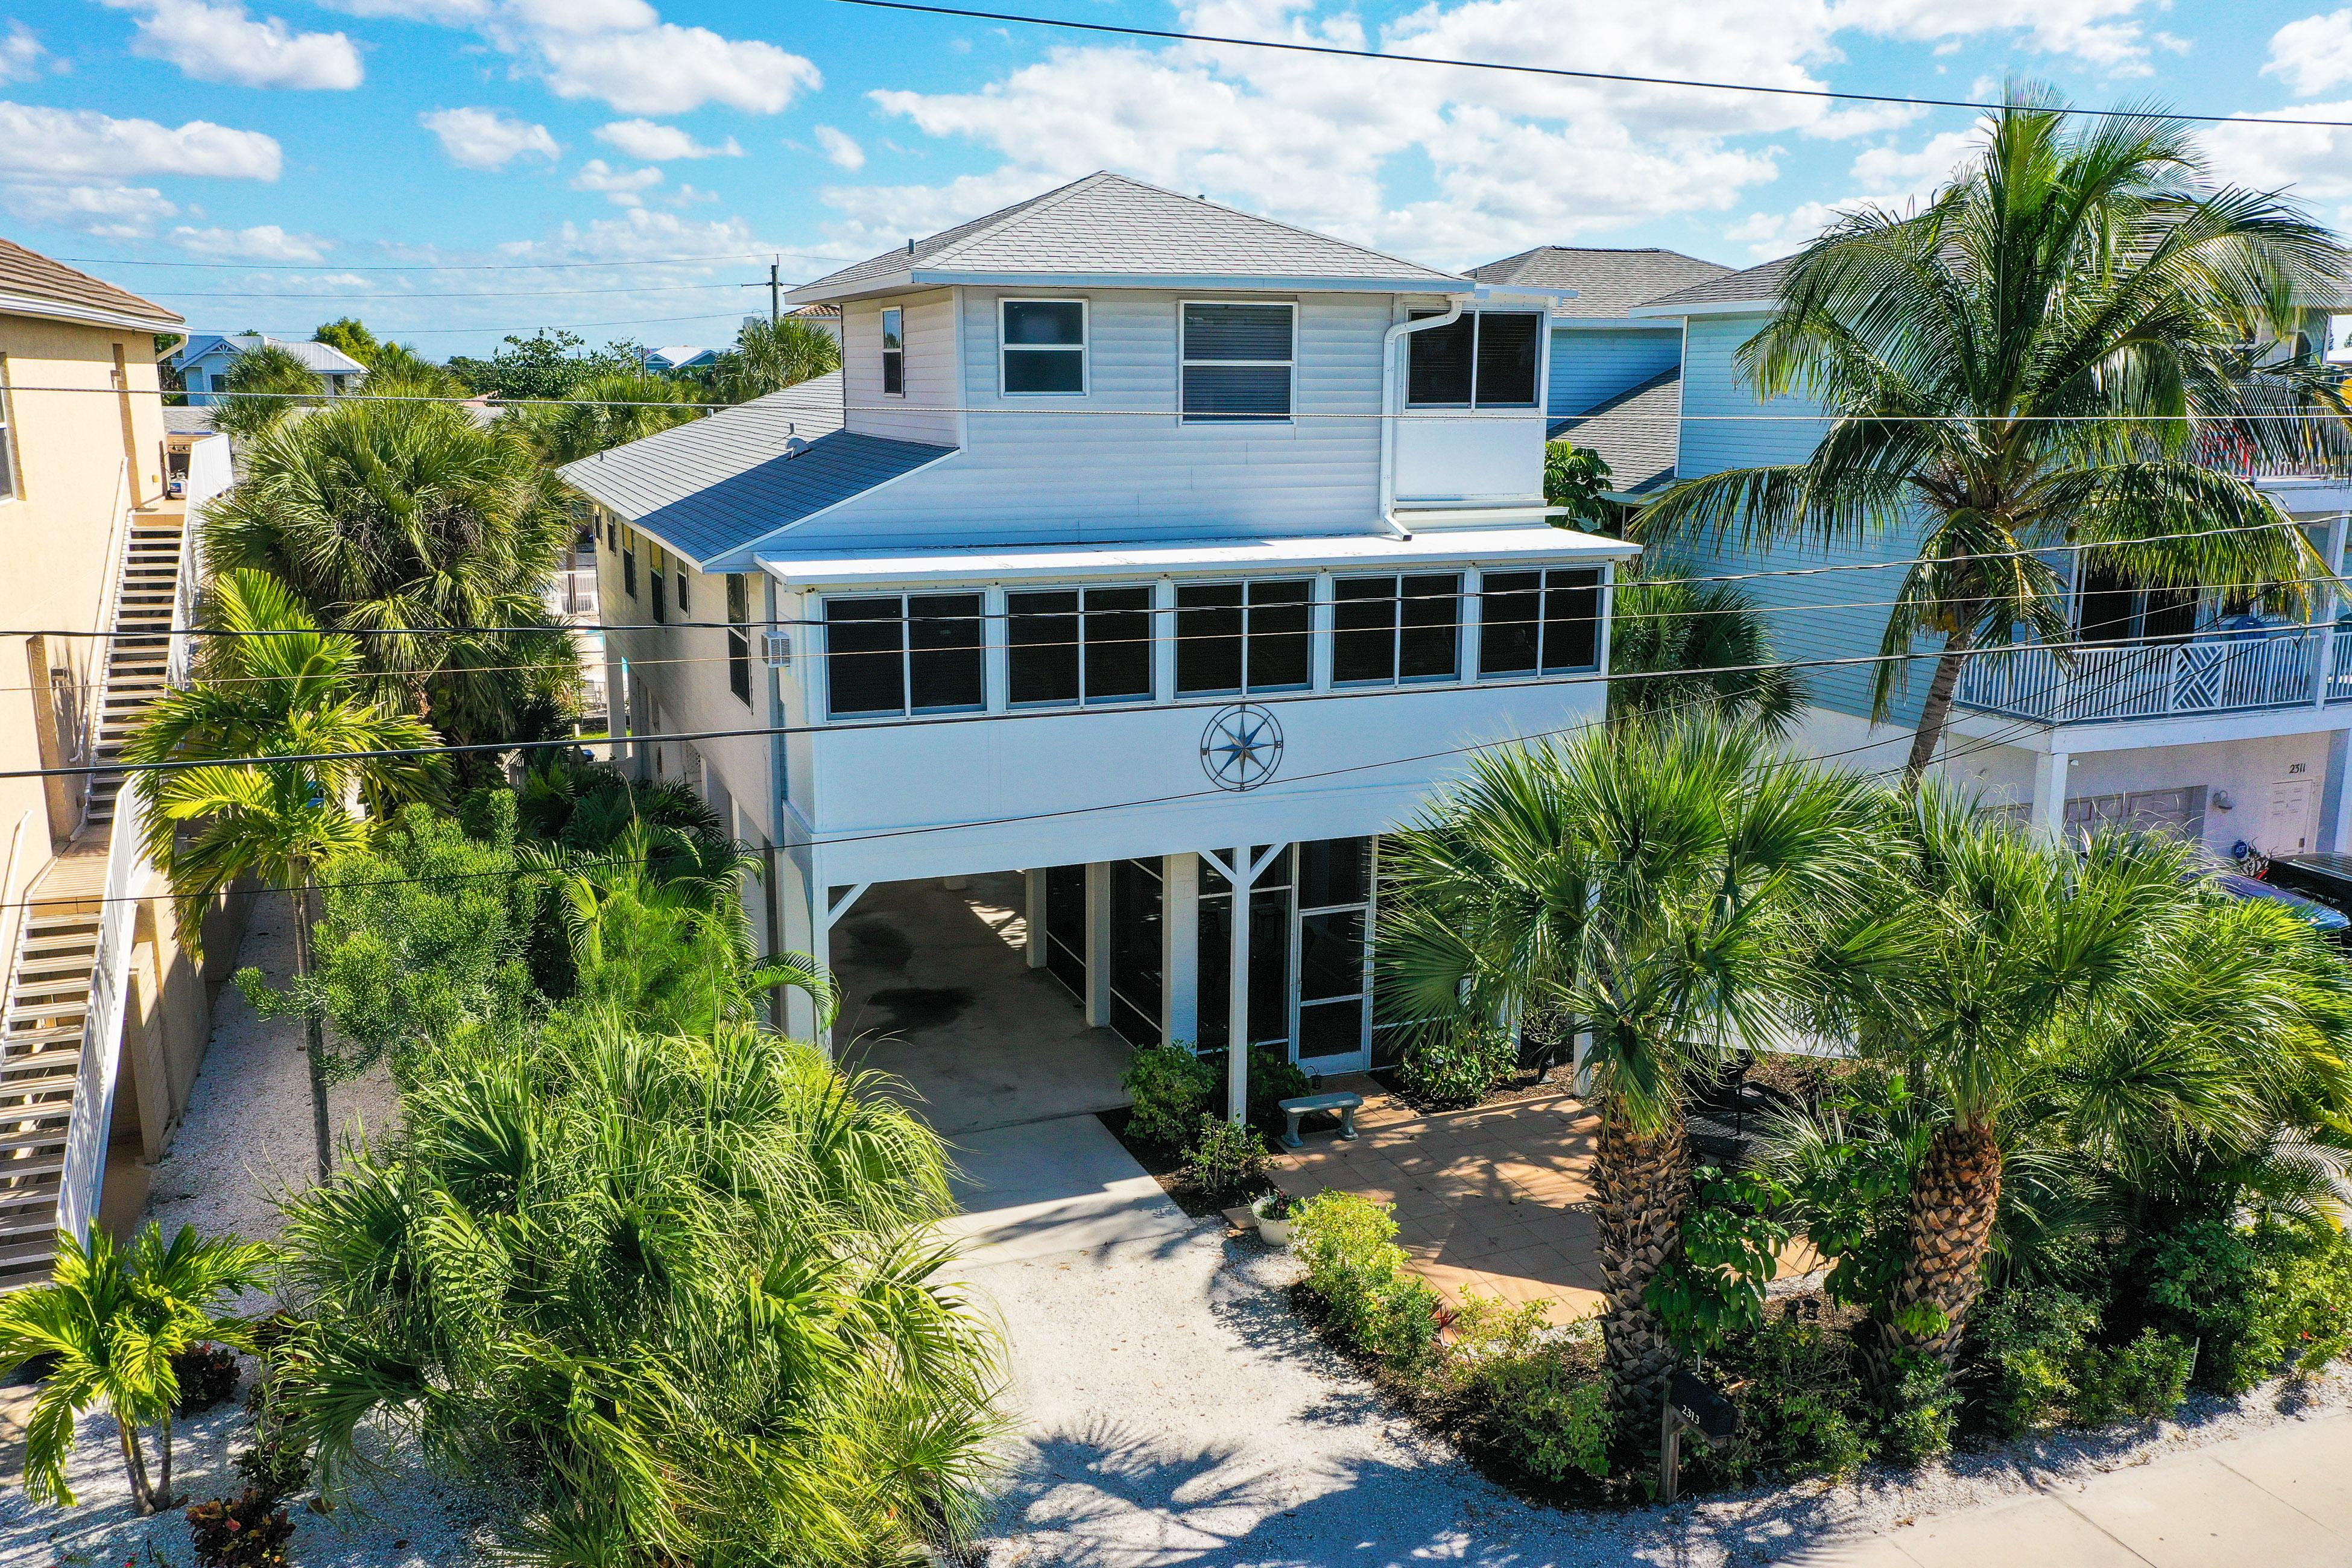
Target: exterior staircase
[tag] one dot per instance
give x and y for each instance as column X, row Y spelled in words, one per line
column 65, row 982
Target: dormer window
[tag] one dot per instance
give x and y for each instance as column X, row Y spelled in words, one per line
column 1045, row 348
column 894, row 353
column 1485, row 360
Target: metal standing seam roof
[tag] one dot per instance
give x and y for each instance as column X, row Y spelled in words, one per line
column 31, row 284
column 1637, row 434
column 1109, row 224
column 324, row 358
column 709, row 488
column 1608, row 282
column 1756, row 286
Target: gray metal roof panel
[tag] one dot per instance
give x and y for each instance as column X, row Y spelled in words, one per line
column 1637, row 434
column 1608, row 282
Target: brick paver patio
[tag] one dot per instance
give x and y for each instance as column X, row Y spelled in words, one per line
column 1495, row 1199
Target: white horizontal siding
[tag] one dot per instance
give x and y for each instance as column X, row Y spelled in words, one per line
column 929, row 325
column 1591, row 365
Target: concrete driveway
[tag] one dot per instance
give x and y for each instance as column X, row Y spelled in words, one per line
column 935, row 991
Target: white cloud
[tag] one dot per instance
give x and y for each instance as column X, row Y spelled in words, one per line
column 621, row 188
column 1896, row 173
column 224, row 43
column 2312, row 163
column 2105, row 33
column 1886, row 177
column 108, row 212
column 670, row 69
column 642, row 233
column 263, row 242
column 485, row 139
column 841, row 149
column 20, row 54
column 446, row 13
column 82, row 142
column 656, row 144
column 2312, row 55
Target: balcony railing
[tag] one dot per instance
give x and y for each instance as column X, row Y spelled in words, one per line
column 2104, row 683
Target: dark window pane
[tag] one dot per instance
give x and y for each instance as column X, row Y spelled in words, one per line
column 2105, row 606
column 894, row 374
column 1135, row 976
column 1065, row 927
column 738, row 598
column 1208, row 638
column 681, row 591
column 943, row 651
column 1269, row 986
column 1508, row 344
column 1509, row 622
column 660, row 596
column 1042, row 631
column 1430, row 643
column 862, row 666
column 739, row 665
column 1363, row 629
column 1045, row 321
column 1331, row 955
column 1437, row 365
column 2172, row 612
column 1572, row 638
column 1045, row 370
column 1331, row 1029
column 1215, row 985
column 1334, row 871
column 629, row 572
column 1237, row 331
column 1278, row 626
column 1236, row 391
column 1119, row 643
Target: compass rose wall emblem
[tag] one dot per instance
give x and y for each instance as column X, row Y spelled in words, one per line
column 1242, row 746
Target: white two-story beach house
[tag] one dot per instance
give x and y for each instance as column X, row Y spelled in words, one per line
column 1147, row 556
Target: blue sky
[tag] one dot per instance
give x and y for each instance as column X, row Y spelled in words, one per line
column 304, row 150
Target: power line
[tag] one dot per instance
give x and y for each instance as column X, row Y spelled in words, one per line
column 1622, row 78
column 268, row 294
column 454, row 266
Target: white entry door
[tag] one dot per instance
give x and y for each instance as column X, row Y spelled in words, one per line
column 2290, row 821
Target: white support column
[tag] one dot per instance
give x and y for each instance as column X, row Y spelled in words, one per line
column 1098, row 944
column 1035, row 949
column 1179, row 949
column 1241, row 873
column 2049, row 816
column 1164, row 640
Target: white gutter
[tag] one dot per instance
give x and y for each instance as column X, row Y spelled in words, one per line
column 1389, row 382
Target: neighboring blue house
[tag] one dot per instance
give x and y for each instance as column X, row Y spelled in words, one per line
column 679, row 356
column 1142, row 551
column 2229, row 728
column 205, row 360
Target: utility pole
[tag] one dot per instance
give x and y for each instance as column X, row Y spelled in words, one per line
column 775, row 288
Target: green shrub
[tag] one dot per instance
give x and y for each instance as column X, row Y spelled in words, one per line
column 1273, row 1078
column 1551, row 1417
column 1803, row 1410
column 1922, row 1407
column 1460, row 1069
column 2256, row 1301
column 206, row 1374
column 1356, row 1269
column 2147, row 1378
column 1226, row 1158
column 2024, row 1346
column 1171, row 1088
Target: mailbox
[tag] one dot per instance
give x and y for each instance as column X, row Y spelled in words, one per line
column 1702, row 1408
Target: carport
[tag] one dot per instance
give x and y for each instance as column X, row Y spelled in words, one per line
column 937, row 990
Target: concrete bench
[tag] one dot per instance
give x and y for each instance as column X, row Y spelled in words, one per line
column 1340, row 1100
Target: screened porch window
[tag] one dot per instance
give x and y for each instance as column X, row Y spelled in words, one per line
column 1236, row 637
column 2111, row 608
column 1238, row 360
column 913, row 653
column 1485, row 360
column 1539, row 622
column 1070, row 646
column 1390, row 628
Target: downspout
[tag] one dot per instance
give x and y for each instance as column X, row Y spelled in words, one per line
column 1452, row 313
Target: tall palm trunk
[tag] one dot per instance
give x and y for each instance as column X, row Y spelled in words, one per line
column 314, row 1031
column 163, row 1497
column 1947, row 1233
column 1645, row 1187
column 1937, row 711
column 144, row 1500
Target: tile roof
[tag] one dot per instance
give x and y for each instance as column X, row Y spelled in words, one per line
column 1757, row 285
column 30, row 280
column 1608, row 283
column 1635, row 432
column 1109, row 224
column 324, row 358
column 712, row 487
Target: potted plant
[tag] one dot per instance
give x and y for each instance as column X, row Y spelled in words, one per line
column 1274, row 1213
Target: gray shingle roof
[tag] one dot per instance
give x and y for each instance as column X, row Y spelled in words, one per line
column 1635, row 432
column 714, row 486
column 1757, row 285
column 33, row 281
column 1109, row 224
column 1608, row 283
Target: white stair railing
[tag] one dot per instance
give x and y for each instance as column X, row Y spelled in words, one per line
column 101, row 1042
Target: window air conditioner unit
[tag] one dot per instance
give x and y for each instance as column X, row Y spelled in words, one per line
column 780, row 650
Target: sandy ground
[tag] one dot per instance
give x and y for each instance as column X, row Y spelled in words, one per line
column 1174, row 1411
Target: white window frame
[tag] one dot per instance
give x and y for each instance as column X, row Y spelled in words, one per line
column 886, row 351
column 1084, row 699
column 1397, row 629
column 12, row 466
column 1474, row 653
column 1299, row 913
column 1543, row 352
column 1185, row 361
column 1005, row 347
column 1317, row 632
column 906, row 708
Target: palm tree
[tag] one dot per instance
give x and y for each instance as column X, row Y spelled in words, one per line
column 2031, row 361
column 113, row 1318
column 1663, row 626
column 266, row 382
column 1650, row 881
column 432, row 533
column 271, row 684
column 608, row 411
column 769, row 356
